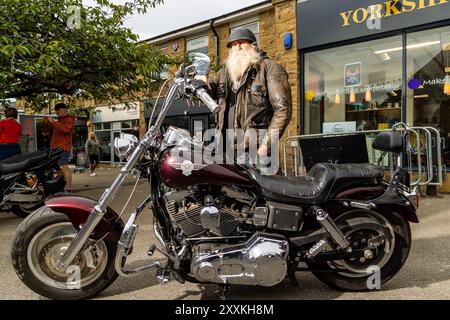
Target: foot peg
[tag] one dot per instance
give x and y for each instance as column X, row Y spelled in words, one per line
column 330, row 227
column 151, row 250
column 316, row 249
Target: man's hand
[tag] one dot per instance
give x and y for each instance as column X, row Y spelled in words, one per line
column 204, row 78
column 262, row 151
column 49, row 119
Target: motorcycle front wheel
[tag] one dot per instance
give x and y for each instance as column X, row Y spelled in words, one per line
column 381, row 265
column 41, row 240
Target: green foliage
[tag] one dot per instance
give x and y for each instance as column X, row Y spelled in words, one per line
column 59, row 49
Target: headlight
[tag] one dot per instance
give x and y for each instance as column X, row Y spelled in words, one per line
column 125, row 145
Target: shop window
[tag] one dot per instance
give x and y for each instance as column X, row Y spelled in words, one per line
column 176, row 121
column 107, row 126
column 104, row 141
column 164, row 74
column 197, row 45
column 97, row 126
column 354, row 88
column 126, row 124
column 428, row 93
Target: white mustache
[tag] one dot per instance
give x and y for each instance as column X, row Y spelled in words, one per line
column 238, row 61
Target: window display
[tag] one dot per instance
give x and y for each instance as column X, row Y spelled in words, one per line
column 428, row 93
column 358, row 83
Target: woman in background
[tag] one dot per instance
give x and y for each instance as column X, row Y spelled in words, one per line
column 92, row 150
column 10, row 131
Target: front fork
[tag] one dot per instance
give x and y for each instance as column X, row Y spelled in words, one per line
column 99, row 210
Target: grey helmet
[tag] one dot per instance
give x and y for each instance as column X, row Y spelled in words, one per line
column 241, row 34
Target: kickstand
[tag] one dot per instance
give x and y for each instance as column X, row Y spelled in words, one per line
column 223, row 291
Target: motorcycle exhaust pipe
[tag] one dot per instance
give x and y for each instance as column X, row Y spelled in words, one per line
column 330, row 227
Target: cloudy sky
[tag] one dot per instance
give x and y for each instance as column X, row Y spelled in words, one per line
column 175, row 14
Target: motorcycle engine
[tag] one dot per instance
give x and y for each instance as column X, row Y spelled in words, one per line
column 200, row 214
column 213, row 212
column 259, row 261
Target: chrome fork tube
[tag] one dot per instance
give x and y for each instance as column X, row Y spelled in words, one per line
column 99, row 210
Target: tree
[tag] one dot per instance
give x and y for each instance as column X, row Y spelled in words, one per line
column 60, row 49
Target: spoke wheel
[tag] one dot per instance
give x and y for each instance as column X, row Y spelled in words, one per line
column 42, row 239
column 50, row 244
column 387, row 257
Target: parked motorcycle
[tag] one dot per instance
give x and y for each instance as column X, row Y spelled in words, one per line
column 27, row 179
column 224, row 224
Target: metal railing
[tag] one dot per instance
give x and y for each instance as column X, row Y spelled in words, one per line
column 422, row 154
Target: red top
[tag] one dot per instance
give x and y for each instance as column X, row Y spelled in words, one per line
column 10, row 131
column 62, row 133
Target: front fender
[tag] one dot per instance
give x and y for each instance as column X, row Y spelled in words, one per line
column 78, row 209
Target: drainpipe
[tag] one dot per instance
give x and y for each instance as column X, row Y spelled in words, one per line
column 216, row 42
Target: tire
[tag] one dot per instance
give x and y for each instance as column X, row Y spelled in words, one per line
column 24, row 212
column 353, row 281
column 41, row 276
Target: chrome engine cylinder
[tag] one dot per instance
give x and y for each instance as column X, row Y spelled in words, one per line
column 259, row 261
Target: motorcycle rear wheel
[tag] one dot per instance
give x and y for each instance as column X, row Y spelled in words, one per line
column 40, row 241
column 24, row 210
column 360, row 276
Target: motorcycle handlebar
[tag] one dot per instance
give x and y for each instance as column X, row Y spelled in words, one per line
column 203, row 95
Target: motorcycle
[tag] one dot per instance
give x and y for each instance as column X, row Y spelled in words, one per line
column 224, row 224
column 27, row 179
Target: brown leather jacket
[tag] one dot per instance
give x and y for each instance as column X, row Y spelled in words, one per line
column 263, row 100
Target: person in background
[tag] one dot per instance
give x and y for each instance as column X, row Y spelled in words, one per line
column 62, row 138
column 92, row 151
column 10, row 131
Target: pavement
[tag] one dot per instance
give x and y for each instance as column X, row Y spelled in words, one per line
column 426, row 274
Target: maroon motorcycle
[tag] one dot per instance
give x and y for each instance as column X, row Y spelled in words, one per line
column 223, row 223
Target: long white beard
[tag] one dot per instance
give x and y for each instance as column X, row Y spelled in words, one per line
column 238, row 61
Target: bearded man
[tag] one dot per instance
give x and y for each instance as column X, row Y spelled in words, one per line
column 252, row 91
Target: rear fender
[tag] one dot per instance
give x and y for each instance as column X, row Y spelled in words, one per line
column 386, row 200
column 408, row 212
column 78, row 209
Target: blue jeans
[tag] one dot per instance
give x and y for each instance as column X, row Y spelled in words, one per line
column 8, row 150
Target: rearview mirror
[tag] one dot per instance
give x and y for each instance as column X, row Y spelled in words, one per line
column 200, row 62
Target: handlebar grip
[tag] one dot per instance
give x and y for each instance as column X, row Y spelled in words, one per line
column 203, row 95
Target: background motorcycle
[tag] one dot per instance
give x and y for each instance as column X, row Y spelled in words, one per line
column 223, row 223
column 27, row 179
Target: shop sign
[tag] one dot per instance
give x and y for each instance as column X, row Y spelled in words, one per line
column 378, row 87
column 339, row 127
column 118, row 112
column 323, row 22
column 386, row 9
column 415, row 83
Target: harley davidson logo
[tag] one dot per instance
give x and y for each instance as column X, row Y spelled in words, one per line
column 187, row 167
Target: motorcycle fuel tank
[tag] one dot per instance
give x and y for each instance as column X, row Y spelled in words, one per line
column 179, row 169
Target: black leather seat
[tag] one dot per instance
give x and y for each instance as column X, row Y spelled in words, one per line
column 21, row 162
column 321, row 182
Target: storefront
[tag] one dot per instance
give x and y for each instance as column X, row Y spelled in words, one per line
column 109, row 122
column 368, row 64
